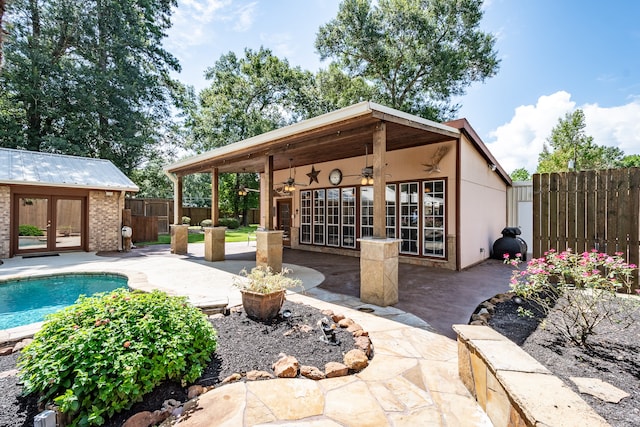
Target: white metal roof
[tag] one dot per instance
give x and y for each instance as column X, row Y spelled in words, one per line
column 56, row 170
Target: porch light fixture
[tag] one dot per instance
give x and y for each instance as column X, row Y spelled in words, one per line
column 243, row 191
column 492, row 166
column 367, row 171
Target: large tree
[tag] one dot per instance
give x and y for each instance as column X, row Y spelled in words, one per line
column 2, row 9
column 570, row 148
column 88, row 77
column 416, row 54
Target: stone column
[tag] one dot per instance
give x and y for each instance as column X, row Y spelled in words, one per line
column 269, row 249
column 294, row 235
column 214, row 243
column 179, row 239
column 379, row 271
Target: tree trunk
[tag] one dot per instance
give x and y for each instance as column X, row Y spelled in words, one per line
column 2, row 8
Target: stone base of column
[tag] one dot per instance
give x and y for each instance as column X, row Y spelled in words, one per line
column 214, row 243
column 294, row 235
column 179, row 239
column 269, row 249
column 379, row 271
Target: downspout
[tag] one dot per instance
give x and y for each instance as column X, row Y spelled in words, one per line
column 174, row 180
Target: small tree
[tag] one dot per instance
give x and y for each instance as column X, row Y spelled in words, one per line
column 520, row 174
column 570, row 148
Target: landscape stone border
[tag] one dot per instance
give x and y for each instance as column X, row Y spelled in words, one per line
column 512, row 387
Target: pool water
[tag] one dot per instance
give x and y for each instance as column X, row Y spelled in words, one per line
column 29, row 300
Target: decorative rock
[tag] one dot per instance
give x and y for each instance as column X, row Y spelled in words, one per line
column 159, row 416
column 600, row 389
column 490, row 307
column 335, row 369
column 141, row 419
column 356, row 360
column 190, row 405
column 360, row 333
column 345, row 323
column 311, row 372
column 478, row 323
column 305, row 329
column 22, row 344
column 483, row 311
column 170, row 404
column 259, row 375
column 9, row 373
column 328, row 313
column 337, row 317
column 364, row 344
column 354, row 327
column 195, row 390
column 232, row 378
column 4, row 351
column 216, row 316
column 286, row 367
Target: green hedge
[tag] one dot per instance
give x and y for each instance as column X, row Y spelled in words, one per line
column 29, row 230
column 102, row 354
column 231, row 223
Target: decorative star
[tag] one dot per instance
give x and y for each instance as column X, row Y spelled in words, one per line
column 313, row 175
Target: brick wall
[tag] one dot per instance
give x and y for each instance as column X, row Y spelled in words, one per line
column 5, row 218
column 104, row 220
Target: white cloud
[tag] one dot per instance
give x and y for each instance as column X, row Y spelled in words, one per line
column 244, row 17
column 191, row 23
column 517, row 143
column 279, row 43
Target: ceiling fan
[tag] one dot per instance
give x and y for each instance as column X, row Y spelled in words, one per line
column 290, row 184
column 366, row 175
column 434, row 166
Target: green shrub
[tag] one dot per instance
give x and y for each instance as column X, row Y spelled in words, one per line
column 102, row 354
column 206, row 223
column 231, row 223
column 29, row 230
column 186, row 220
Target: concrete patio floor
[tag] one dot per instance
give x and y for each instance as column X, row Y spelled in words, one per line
column 412, row 380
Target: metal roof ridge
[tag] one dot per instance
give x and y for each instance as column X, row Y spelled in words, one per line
column 44, row 153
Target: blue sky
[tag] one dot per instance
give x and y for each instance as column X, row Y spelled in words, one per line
column 556, row 56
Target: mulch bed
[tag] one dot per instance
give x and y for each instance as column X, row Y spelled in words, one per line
column 613, row 356
column 243, row 345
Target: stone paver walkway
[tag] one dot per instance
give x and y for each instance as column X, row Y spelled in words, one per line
column 412, row 379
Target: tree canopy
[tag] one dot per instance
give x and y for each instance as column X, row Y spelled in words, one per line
column 570, row 148
column 520, row 174
column 87, row 77
column 415, row 54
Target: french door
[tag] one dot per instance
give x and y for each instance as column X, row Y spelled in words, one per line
column 284, row 220
column 48, row 223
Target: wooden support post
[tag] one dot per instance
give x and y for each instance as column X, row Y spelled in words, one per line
column 267, row 195
column 177, row 201
column 379, row 181
column 214, row 197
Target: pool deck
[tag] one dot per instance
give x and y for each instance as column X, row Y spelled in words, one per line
column 412, row 379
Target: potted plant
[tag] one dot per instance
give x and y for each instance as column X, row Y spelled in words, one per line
column 263, row 291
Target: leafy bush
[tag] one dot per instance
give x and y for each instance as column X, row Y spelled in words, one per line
column 206, row 223
column 102, row 354
column 583, row 287
column 186, row 220
column 231, row 223
column 264, row 281
column 29, row 230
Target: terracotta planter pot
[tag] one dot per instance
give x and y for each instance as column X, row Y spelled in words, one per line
column 262, row 307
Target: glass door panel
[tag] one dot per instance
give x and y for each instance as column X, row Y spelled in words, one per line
column 33, row 223
column 68, row 223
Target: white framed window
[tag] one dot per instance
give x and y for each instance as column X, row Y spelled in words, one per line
column 390, row 210
column 305, row 217
column 366, row 211
column 333, row 217
column 318, row 217
column 433, row 218
column 348, row 214
column 409, row 217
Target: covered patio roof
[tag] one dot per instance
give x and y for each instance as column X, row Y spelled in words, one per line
column 336, row 135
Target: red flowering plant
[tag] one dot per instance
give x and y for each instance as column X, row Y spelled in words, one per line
column 586, row 288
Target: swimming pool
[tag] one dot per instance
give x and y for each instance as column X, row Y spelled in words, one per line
column 29, row 300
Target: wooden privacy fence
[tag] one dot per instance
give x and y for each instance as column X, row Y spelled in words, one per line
column 588, row 210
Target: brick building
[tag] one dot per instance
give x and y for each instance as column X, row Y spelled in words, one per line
column 53, row 203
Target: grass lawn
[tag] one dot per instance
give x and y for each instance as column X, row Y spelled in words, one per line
column 237, row 235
